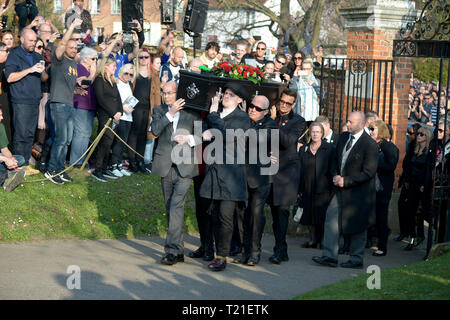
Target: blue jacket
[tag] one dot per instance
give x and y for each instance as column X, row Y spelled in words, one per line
column 28, row 89
column 166, row 67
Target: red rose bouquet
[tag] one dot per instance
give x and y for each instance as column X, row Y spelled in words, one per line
column 239, row 71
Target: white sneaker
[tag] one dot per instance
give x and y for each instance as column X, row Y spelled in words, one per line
column 124, row 171
column 116, row 171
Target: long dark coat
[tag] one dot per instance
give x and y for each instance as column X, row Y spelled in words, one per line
column 358, row 193
column 315, row 182
column 226, row 181
column 387, row 162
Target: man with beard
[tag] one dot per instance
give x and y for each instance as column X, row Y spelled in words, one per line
column 23, row 73
column 64, row 77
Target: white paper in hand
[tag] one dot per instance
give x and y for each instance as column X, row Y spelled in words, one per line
column 298, row 215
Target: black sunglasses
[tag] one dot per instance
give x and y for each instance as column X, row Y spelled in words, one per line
column 144, row 57
column 128, row 74
column 5, row 31
column 252, row 106
column 371, row 128
column 420, row 134
column 411, row 133
column 39, row 47
column 440, row 130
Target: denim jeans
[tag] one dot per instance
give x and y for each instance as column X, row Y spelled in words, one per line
column 25, row 119
column 62, row 116
column 148, row 154
column 83, row 121
column 25, row 11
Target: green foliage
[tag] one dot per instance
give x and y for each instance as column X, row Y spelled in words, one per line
column 427, row 69
column 429, row 280
column 130, row 207
column 46, row 9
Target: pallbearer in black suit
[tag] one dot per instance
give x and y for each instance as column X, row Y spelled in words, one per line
column 284, row 186
column 352, row 208
column 251, row 222
column 315, row 183
column 174, row 127
column 225, row 180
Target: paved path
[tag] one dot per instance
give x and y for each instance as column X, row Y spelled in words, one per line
column 130, row 269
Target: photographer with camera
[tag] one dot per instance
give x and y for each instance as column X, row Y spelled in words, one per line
column 115, row 45
column 64, row 78
column 77, row 11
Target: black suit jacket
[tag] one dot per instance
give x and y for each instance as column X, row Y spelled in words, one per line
column 387, row 162
column 358, row 193
column 163, row 129
column 253, row 170
column 285, row 182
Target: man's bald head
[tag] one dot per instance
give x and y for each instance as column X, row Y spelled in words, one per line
column 195, row 64
column 258, row 108
column 177, row 56
column 356, row 121
column 28, row 39
column 171, row 85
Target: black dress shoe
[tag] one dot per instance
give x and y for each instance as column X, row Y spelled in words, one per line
column 169, row 259
column 308, row 244
column 217, row 265
column 275, row 259
column 209, row 256
column 199, row 253
column 253, row 261
column 351, row 264
column 420, row 240
column 379, row 253
column 400, row 237
column 325, row 261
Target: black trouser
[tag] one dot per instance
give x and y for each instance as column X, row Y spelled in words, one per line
column 402, row 210
column 382, row 211
column 123, row 128
column 204, row 219
column 415, row 217
column 252, row 220
column 104, row 146
column 222, row 217
column 280, row 221
column 138, row 132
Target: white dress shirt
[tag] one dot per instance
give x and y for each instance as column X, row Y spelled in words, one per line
column 174, row 120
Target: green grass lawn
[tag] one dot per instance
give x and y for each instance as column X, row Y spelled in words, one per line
column 129, row 207
column 428, row 280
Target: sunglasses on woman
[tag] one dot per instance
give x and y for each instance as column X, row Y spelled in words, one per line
column 39, row 47
column 420, row 134
column 144, row 57
column 371, row 128
column 128, row 74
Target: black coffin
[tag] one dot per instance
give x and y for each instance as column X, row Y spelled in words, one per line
column 199, row 88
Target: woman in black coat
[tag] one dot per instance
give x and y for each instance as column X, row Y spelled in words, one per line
column 387, row 162
column 416, row 183
column 315, row 183
column 109, row 105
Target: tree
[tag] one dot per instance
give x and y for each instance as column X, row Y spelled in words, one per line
column 295, row 31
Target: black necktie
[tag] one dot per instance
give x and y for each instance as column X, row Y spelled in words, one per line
column 349, row 144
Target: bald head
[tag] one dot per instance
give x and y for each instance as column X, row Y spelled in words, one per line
column 356, row 121
column 170, row 93
column 28, row 39
column 195, row 64
column 258, row 108
column 177, row 56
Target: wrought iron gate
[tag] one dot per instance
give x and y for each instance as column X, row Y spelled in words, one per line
column 429, row 37
column 356, row 84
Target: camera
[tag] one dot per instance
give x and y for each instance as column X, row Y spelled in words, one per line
column 86, row 82
column 132, row 25
column 127, row 37
column 257, row 38
column 4, row 20
column 80, row 47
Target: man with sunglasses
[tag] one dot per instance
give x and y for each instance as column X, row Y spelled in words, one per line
column 251, row 221
column 64, row 78
column 281, row 69
column 284, row 184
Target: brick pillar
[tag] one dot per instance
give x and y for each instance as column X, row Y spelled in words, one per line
column 371, row 26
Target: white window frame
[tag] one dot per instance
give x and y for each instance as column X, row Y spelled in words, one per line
column 115, row 6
